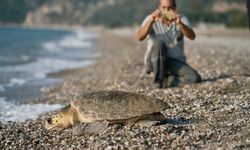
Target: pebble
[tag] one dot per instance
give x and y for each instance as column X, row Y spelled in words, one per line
column 217, row 111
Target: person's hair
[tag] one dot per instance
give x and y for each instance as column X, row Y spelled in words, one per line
column 174, row 3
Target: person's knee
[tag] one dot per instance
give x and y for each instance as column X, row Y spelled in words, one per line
column 189, row 75
column 198, row 78
column 193, row 77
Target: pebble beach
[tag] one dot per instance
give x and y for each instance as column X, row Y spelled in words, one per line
column 212, row 115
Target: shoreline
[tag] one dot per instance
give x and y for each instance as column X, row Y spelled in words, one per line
column 18, row 92
column 209, row 29
column 217, row 108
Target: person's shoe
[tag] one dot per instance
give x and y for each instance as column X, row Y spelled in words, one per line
column 149, row 68
column 148, row 72
column 159, row 85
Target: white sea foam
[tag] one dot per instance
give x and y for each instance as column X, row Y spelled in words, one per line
column 20, row 113
column 45, row 66
column 16, row 81
column 2, row 89
column 78, row 39
column 74, row 42
column 7, row 59
column 25, row 58
column 38, row 69
column 41, row 68
column 84, row 35
column 51, row 47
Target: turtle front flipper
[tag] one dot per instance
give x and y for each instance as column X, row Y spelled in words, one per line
column 90, row 128
column 96, row 127
column 79, row 128
column 150, row 120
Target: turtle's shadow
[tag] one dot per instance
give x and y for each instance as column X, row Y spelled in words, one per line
column 178, row 121
column 224, row 76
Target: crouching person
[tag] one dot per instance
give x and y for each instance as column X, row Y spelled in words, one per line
column 165, row 50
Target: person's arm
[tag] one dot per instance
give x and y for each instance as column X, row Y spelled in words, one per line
column 186, row 31
column 144, row 30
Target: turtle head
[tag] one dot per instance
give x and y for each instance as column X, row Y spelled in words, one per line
column 58, row 121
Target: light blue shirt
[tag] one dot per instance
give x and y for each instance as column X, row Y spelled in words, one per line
column 171, row 35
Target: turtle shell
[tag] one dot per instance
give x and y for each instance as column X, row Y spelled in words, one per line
column 115, row 105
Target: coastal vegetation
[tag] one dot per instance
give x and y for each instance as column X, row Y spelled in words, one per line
column 117, row 13
column 15, row 11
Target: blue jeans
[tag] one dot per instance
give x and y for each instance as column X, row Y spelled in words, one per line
column 169, row 71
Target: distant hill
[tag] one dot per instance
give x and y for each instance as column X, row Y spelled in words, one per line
column 113, row 13
column 15, row 11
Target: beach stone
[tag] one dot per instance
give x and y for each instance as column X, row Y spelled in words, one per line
column 216, row 110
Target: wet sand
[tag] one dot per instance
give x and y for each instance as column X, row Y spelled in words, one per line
column 210, row 115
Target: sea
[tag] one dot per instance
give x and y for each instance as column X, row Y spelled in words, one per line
column 27, row 56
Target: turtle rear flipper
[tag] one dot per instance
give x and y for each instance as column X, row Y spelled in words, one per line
column 150, row 120
column 147, row 123
column 90, row 128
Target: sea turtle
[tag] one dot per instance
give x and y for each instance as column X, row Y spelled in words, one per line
column 94, row 111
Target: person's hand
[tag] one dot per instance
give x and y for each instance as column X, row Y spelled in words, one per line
column 177, row 18
column 169, row 17
column 156, row 15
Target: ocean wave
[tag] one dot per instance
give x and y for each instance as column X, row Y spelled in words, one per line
column 14, row 59
column 43, row 66
column 2, row 89
column 19, row 113
column 25, row 57
column 16, row 81
column 51, row 47
column 78, row 39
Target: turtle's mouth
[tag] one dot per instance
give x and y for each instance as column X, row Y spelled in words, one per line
column 50, row 126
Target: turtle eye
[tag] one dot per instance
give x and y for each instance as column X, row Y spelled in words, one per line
column 49, row 121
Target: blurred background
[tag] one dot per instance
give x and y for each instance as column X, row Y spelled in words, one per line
column 29, row 55
column 117, row 13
